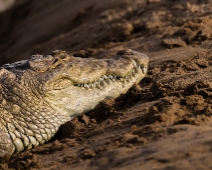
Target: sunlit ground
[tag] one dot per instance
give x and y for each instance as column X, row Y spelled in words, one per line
column 4, row 4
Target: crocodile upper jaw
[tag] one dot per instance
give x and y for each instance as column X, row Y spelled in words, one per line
column 89, row 81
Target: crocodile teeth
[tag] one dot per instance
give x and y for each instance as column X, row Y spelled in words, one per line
column 86, row 85
column 105, row 77
column 121, row 79
column 134, row 63
column 89, row 85
column 108, row 78
column 144, row 70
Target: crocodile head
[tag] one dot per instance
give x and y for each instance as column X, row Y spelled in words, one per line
column 73, row 85
column 38, row 95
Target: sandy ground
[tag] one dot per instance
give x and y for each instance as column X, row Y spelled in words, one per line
column 164, row 122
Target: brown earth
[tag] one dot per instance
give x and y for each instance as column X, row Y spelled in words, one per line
column 165, row 122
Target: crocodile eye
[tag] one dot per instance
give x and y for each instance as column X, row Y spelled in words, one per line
column 40, row 63
column 126, row 52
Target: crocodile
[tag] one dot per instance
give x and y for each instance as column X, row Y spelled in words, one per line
column 41, row 93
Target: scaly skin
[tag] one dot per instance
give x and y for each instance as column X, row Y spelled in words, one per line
column 40, row 94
